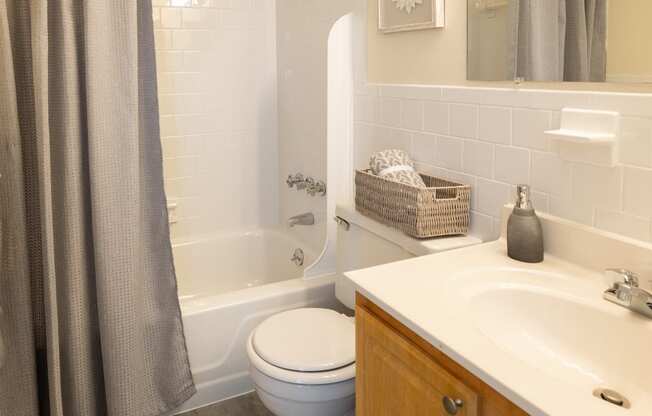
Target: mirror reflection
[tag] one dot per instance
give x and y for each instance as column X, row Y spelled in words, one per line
column 560, row 40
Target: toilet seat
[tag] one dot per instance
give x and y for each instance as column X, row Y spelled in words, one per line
column 305, row 346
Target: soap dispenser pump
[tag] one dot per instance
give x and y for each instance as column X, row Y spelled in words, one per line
column 524, row 232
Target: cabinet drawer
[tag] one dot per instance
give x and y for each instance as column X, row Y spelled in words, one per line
column 395, row 377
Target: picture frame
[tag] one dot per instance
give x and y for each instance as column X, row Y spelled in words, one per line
column 406, row 15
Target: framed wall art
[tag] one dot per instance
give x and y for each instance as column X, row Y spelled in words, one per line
column 404, row 15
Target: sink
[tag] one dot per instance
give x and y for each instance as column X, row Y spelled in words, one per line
column 540, row 334
column 561, row 326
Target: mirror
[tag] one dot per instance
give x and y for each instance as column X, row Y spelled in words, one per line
column 560, row 40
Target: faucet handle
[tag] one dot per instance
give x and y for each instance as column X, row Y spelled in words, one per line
column 305, row 183
column 293, row 180
column 318, row 187
column 623, row 275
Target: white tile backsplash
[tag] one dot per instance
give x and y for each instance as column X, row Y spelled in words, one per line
column 390, row 112
column 412, row 115
column 528, row 127
column 550, row 175
column 436, row 117
column 638, row 191
column 573, row 210
column 423, row 148
column 492, row 139
column 463, row 120
column 495, row 124
column 478, row 158
column 492, row 196
column 636, row 141
column 597, row 186
column 621, row 223
column 512, row 165
column 448, row 153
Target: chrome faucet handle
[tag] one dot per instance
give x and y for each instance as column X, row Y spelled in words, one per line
column 293, row 180
column 318, row 188
column 626, row 292
column 628, row 277
column 306, row 183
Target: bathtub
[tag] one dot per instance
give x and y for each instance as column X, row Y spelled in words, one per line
column 228, row 284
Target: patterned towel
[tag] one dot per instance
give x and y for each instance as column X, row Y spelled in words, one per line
column 395, row 165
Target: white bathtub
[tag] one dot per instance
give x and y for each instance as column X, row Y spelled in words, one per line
column 228, row 284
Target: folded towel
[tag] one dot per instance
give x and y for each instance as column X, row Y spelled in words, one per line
column 395, row 165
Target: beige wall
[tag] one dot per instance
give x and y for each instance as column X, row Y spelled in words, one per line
column 629, row 42
column 432, row 56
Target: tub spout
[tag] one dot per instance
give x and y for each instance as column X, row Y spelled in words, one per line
column 304, row 219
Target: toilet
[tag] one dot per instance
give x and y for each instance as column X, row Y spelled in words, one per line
column 302, row 361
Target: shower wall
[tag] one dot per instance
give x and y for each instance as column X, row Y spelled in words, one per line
column 218, row 105
column 303, row 29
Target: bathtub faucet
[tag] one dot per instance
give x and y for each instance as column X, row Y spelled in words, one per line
column 303, row 219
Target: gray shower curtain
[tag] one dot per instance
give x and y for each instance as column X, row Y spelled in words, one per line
column 90, row 316
column 558, row 40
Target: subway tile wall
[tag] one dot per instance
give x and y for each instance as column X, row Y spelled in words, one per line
column 216, row 64
column 492, row 139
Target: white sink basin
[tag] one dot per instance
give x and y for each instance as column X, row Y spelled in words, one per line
column 542, row 335
column 562, row 326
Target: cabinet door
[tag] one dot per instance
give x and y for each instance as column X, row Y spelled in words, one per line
column 395, row 377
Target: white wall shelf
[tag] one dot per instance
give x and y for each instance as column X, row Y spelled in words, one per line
column 582, row 137
column 587, row 136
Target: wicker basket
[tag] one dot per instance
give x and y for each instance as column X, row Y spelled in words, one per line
column 440, row 209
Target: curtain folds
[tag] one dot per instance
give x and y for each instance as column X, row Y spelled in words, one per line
column 558, row 40
column 90, row 314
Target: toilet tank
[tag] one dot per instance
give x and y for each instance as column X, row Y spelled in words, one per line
column 358, row 248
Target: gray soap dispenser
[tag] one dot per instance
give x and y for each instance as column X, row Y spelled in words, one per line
column 524, row 232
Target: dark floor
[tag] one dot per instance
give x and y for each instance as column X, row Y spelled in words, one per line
column 247, row 405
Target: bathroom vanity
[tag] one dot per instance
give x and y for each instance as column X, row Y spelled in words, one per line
column 400, row 373
column 473, row 332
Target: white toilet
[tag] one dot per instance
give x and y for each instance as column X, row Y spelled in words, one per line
column 302, row 361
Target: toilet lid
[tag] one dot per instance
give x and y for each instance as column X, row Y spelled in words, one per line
column 306, row 340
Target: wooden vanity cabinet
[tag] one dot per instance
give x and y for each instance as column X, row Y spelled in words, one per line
column 399, row 373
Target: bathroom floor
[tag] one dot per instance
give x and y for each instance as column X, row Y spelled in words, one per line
column 247, row 405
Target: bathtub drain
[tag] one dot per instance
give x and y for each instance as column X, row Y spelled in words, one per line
column 613, row 397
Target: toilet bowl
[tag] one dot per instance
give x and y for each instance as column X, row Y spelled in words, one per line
column 302, row 362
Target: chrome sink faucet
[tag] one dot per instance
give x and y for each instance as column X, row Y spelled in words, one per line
column 627, row 292
column 303, row 219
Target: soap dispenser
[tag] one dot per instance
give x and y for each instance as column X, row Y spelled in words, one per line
column 524, row 232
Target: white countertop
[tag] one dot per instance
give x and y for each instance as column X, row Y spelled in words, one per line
column 421, row 294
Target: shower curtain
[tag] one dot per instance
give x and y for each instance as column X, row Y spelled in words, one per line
column 558, row 40
column 90, row 316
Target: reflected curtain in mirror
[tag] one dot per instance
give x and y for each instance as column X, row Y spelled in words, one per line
column 558, row 40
